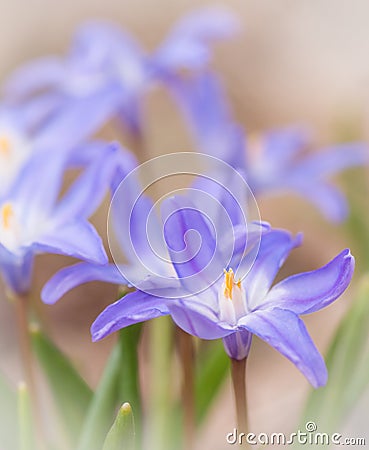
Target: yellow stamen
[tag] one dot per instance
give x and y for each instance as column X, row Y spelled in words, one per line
column 229, row 283
column 4, row 145
column 6, row 214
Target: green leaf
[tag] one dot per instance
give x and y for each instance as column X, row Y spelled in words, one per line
column 129, row 390
column 25, row 432
column 119, row 383
column 100, row 412
column 8, row 415
column 122, row 433
column 71, row 393
column 348, row 367
column 211, row 374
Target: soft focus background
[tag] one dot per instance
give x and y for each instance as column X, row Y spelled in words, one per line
column 293, row 62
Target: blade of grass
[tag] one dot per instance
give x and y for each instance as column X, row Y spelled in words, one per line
column 71, row 393
column 25, row 422
column 122, row 433
column 8, row 415
column 129, row 390
column 100, row 412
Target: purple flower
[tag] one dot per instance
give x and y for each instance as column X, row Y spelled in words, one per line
column 33, row 220
column 136, row 230
column 279, row 162
column 106, row 72
column 188, row 45
column 204, row 105
column 15, row 149
column 130, row 203
column 21, row 138
column 234, row 304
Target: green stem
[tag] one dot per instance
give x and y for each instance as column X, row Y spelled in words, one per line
column 25, row 422
column 187, row 353
column 160, row 337
column 21, row 307
column 129, row 374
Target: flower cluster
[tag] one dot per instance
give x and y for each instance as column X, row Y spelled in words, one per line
column 203, row 258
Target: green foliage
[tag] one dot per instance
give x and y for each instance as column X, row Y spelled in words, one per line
column 25, row 422
column 122, row 433
column 348, row 366
column 129, row 390
column 8, row 415
column 71, row 393
column 119, row 377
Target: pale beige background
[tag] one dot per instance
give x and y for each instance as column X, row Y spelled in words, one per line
column 296, row 60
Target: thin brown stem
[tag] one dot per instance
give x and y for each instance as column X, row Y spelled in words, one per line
column 187, row 353
column 238, row 369
column 136, row 142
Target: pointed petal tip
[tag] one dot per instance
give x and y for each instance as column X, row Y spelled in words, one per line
column 46, row 299
column 95, row 337
column 347, row 254
column 101, row 257
column 321, row 380
column 350, row 259
column 96, row 333
column 49, row 294
column 347, row 259
column 298, row 239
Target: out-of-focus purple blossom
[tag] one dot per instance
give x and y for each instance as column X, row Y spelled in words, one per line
column 237, row 304
column 106, row 72
column 22, row 137
column 188, row 45
column 132, row 242
column 205, row 106
column 15, row 149
column 34, row 220
column 137, row 232
column 280, row 162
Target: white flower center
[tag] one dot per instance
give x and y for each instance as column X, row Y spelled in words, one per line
column 17, row 231
column 232, row 299
column 132, row 76
column 9, row 228
column 14, row 150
